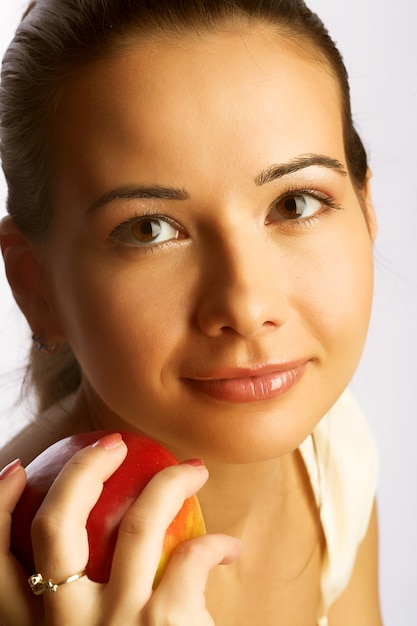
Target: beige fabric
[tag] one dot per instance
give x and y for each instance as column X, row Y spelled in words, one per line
column 342, row 463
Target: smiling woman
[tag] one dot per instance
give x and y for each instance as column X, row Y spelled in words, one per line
column 255, row 319
column 197, row 266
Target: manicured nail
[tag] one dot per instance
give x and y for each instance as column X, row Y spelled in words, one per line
column 10, row 469
column 197, row 463
column 108, row 442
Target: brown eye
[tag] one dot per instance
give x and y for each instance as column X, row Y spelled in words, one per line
column 296, row 206
column 145, row 231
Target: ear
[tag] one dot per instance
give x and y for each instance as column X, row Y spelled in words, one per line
column 368, row 207
column 24, row 266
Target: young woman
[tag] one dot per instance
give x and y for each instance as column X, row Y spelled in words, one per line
column 190, row 238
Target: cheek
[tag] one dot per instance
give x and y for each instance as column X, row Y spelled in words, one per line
column 341, row 289
column 119, row 320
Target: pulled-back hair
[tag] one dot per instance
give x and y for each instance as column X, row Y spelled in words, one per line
column 55, row 39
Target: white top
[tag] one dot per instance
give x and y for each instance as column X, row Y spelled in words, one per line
column 341, row 460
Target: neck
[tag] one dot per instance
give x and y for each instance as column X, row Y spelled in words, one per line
column 235, row 495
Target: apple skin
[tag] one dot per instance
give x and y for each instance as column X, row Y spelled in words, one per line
column 144, row 459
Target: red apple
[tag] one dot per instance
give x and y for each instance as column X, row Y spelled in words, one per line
column 144, row 459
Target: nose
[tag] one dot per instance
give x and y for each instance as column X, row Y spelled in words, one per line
column 240, row 291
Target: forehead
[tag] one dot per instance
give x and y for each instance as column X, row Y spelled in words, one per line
column 225, row 97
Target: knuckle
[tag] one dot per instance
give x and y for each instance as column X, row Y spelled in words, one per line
column 195, row 549
column 162, row 614
column 147, row 616
column 45, row 527
column 80, row 461
column 136, row 523
column 157, row 505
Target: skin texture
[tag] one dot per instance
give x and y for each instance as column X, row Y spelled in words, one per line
column 272, row 292
column 230, row 286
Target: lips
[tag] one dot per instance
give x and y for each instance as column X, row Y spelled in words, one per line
column 255, row 384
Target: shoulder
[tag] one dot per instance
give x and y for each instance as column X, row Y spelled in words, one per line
column 342, row 458
column 57, row 422
column 342, row 462
column 359, row 601
column 349, row 460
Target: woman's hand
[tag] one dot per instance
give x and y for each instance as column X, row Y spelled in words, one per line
column 61, row 549
column 18, row 607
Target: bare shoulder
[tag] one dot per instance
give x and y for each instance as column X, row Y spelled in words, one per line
column 359, row 603
column 59, row 421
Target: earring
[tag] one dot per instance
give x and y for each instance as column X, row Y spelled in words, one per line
column 41, row 345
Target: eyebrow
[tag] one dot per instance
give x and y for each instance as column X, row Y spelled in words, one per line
column 132, row 192
column 274, row 172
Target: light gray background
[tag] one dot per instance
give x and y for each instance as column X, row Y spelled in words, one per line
column 378, row 41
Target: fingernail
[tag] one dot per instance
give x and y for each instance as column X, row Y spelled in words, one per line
column 197, row 463
column 108, row 442
column 10, row 469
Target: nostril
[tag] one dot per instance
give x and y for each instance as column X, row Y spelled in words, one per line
column 236, row 296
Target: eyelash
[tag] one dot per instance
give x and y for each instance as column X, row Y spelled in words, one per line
column 116, row 234
column 304, row 222
column 114, row 239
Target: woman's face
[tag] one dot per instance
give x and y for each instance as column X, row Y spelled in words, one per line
column 210, row 264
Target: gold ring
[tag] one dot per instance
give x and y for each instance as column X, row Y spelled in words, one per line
column 40, row 586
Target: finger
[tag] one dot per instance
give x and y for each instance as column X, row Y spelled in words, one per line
column 142, row 531
column 59, row 535
column 12, row 484
column 17, row 605
column 180, row 597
